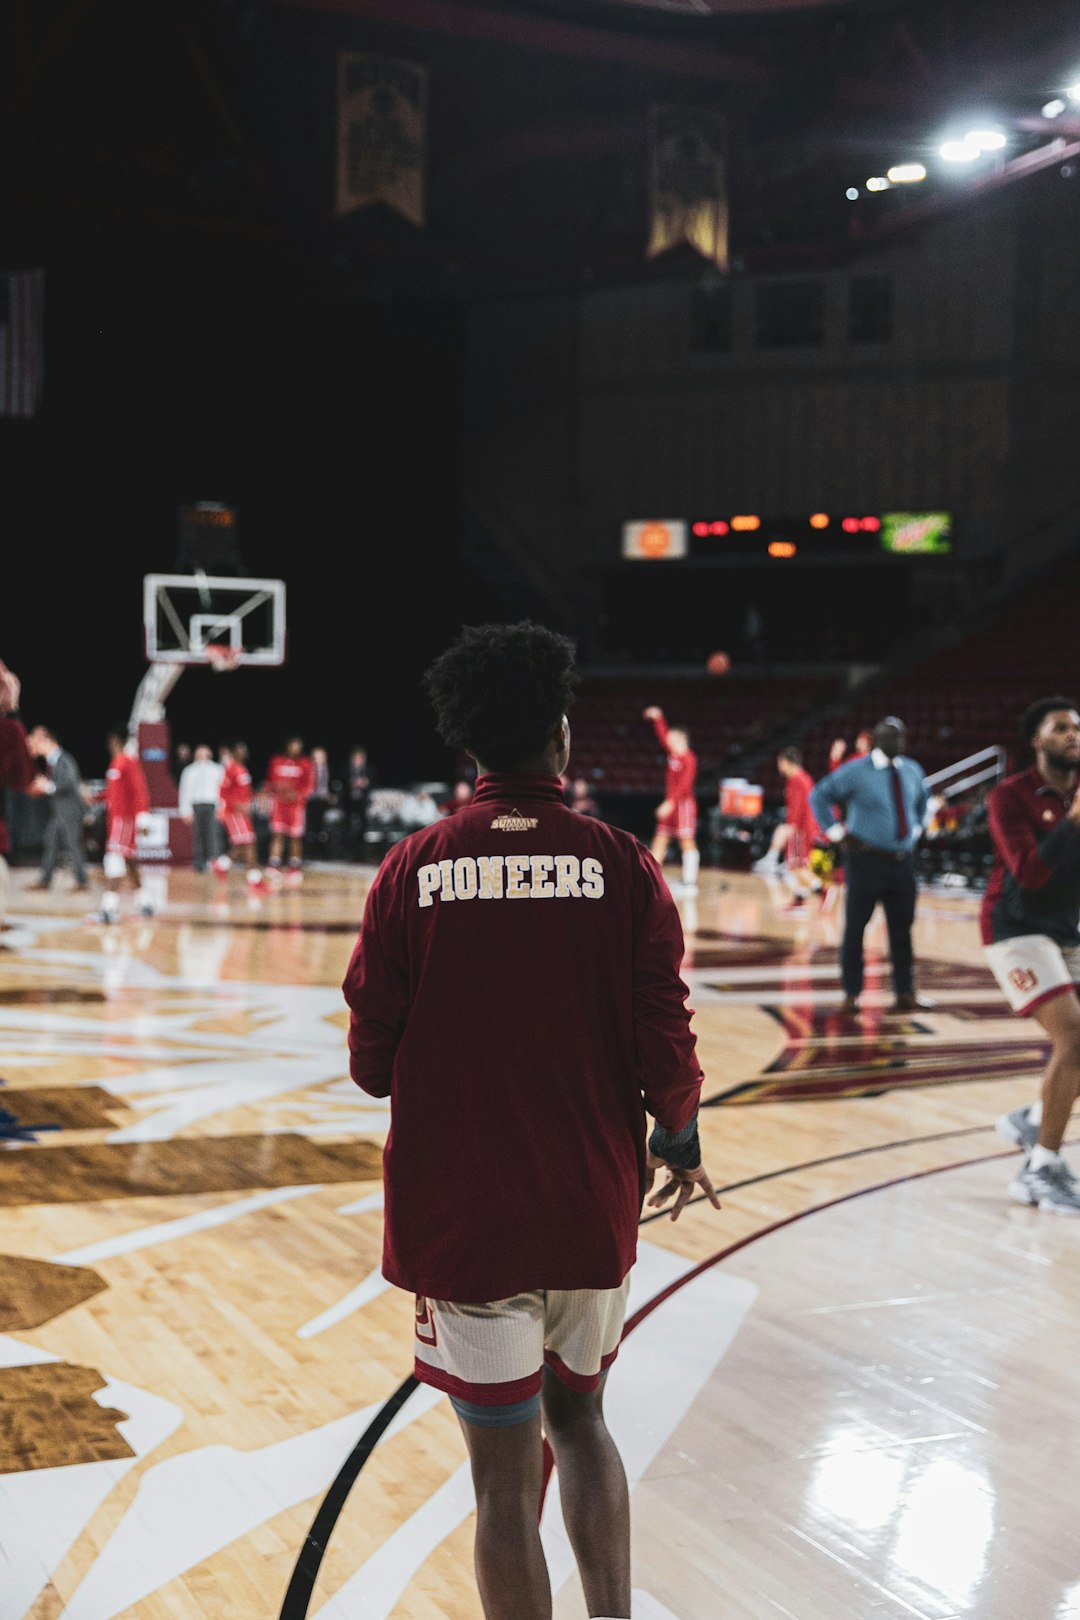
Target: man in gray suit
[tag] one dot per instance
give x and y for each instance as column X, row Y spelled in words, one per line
column 64, row 787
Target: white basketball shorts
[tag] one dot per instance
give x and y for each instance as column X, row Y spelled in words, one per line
column 490, row 1358
column 1032, row 968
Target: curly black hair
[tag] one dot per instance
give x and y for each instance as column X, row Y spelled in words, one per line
column 1035, row 713
column 500, row 690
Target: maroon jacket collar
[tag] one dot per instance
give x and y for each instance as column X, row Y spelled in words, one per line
column 1039, row 786
column 518, row 785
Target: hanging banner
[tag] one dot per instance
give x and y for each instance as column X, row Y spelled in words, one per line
column 382, row 134
column 688, row 194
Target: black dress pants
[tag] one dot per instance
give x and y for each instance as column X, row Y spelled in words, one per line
column 207, row 835
column 870, row 879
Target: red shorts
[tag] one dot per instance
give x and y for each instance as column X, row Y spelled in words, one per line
column 238, row 828
column 120, row 837
column 288, row 820
column 682, row 820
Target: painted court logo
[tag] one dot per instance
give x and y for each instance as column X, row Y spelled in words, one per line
column 514, row 822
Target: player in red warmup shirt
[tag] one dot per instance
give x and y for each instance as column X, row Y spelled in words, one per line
column 803, row 830
column 235, row 811
column 127, row 801
column 291, row 781
column 17, row 768
column 515, row 992
column 677, row 816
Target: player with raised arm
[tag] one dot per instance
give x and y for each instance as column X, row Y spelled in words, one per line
column 677, row 815
column 290, row 780
column 127, row 804
column 515, row 992
column 1030, row 925
column 234, row 812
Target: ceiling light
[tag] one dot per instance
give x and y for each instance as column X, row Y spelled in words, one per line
column 905, row 173
column 987, row 140
column 852, row 193
column 877, row 182
column 959, row 151
column 1073, row 92
column 1054, row 109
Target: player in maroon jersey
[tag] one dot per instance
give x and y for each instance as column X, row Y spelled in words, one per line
column 17, row 768
column 1030, row 926
column 127, row 802
column 515, row 991
column 234, row 811
column 290, row 779
column 677, row 816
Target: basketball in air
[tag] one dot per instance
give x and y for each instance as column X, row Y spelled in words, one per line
column 718, row 663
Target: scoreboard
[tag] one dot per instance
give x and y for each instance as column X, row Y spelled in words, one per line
column 744, row 536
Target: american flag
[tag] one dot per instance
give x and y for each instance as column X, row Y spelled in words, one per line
column 22, row 343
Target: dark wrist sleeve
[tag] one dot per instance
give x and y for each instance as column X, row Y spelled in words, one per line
column 680, row 1149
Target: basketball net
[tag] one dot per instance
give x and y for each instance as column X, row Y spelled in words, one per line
column 223, row 660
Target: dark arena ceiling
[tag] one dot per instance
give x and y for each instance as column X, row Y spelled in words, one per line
column 215, row 120
column 722, row 8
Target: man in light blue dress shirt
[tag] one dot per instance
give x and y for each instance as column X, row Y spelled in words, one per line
column 877, row 806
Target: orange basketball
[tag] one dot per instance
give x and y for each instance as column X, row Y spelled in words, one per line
column 718, row 663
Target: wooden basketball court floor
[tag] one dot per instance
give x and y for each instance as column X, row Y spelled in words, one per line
column 849, row 1396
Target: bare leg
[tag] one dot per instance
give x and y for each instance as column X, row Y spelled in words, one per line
column 507, row 1469
column 593, row 1490
column 1060, row 1017
column 277, row 847
column 660, row 844
column 691, row 862
column 296, row 850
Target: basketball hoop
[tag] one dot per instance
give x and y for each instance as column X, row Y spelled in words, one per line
column 223, row 660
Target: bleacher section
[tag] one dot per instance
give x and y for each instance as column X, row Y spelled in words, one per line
column 971, row 696
column 728, row 720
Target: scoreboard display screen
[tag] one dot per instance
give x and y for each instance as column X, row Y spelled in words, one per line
column 916, row 534
column 756, row 536
column 819, row 534
column 206, row 536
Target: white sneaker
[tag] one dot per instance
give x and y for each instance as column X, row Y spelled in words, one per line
column 766, row 864
column 1018, row 1128
column 1052, row 1187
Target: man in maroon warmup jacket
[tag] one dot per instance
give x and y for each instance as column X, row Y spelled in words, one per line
column 17, row 769
column 515, row 991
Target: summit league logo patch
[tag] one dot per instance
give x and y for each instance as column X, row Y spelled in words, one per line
column 514, row 822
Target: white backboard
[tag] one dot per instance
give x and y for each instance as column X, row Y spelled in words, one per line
column 185, row 614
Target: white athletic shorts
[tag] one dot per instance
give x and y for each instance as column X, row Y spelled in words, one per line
column 490, row 1358
column 1032, row 968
